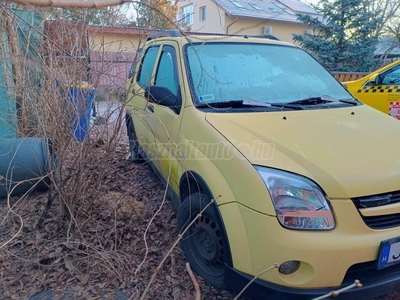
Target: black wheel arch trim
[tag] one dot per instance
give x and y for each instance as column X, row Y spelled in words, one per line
column 128, row 120
column 202, row 186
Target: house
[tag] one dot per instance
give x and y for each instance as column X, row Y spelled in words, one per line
column 112, row 51
column 252, row 17
column 388, row 49
column 101, row 55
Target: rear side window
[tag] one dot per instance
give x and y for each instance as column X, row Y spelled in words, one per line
column 166, row 75
column 146, row 68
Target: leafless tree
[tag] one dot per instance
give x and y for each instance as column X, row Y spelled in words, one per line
column 71, row 3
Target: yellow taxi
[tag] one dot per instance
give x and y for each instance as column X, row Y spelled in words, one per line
column 380, row 89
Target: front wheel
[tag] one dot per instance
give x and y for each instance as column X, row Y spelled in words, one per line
column 204, row 243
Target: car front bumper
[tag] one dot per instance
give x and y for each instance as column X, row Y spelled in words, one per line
column 329, row 260
column 374, row 283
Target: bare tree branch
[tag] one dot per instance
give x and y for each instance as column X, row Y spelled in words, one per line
column 71, row 3
column 388, row 11
column 194, row 281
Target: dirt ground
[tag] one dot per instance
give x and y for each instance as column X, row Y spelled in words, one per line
column 99, row 259
column 97, row 255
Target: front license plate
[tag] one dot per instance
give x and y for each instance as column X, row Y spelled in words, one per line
column 389, row 253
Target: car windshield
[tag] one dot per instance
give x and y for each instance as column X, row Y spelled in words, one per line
column 274, row 74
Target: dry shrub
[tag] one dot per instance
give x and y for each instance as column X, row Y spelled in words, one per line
column 52, row 84
column 66, row 236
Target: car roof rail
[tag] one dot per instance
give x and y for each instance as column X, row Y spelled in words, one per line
column 265, row 36
column 171, row 33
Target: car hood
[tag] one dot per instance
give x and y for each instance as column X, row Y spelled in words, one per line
column 349, row 152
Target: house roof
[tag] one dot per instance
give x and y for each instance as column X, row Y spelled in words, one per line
column 281, row 10
column 120, row 30
column 388, row 45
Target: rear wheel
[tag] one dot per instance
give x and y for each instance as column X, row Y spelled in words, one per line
column 204, row 243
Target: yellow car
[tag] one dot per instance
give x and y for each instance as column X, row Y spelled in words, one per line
column 380, row 89
column 301, row 174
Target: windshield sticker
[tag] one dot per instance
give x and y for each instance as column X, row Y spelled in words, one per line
column 394, row 109
column 206, row 98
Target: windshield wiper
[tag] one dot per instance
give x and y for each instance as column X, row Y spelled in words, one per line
column 246, row 103
column 229, row 104
column 321, row 100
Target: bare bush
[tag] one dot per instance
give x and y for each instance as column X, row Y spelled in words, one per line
column 52, row 88
column 53, row 91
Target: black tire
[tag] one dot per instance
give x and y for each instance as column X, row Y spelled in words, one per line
column 204, row 244
column 133, row 144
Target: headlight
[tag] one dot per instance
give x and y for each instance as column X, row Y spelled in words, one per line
column 299, row 203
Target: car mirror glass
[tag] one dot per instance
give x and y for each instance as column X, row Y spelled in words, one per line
column 374, row 79
column 162, row 96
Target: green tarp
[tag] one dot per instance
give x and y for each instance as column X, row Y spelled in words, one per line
column 29, row 27
column 8, row 117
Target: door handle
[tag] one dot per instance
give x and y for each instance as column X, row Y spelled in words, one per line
column 150, row 108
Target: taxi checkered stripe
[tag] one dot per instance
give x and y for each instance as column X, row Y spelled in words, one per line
column 380, row 89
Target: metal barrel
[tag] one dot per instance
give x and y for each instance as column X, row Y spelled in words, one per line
column 25, row 164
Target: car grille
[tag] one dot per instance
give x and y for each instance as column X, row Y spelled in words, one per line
column 383, row 221
column 367, row 272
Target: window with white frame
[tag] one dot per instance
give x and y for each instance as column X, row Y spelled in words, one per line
column 202, row 14
column 187, row 14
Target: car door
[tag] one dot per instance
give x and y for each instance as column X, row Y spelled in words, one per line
column 390, row 80
column 384, row 94
column 164, row 121
column 137, row 103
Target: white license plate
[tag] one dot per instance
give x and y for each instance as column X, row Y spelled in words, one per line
column 389, row 253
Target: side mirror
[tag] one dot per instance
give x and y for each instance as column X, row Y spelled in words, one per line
column 375, row 79
column 163, row 96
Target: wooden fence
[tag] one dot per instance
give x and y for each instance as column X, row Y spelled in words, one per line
column 110, row 68
column 348, row 76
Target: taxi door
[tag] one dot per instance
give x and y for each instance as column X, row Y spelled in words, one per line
column 384, row 93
